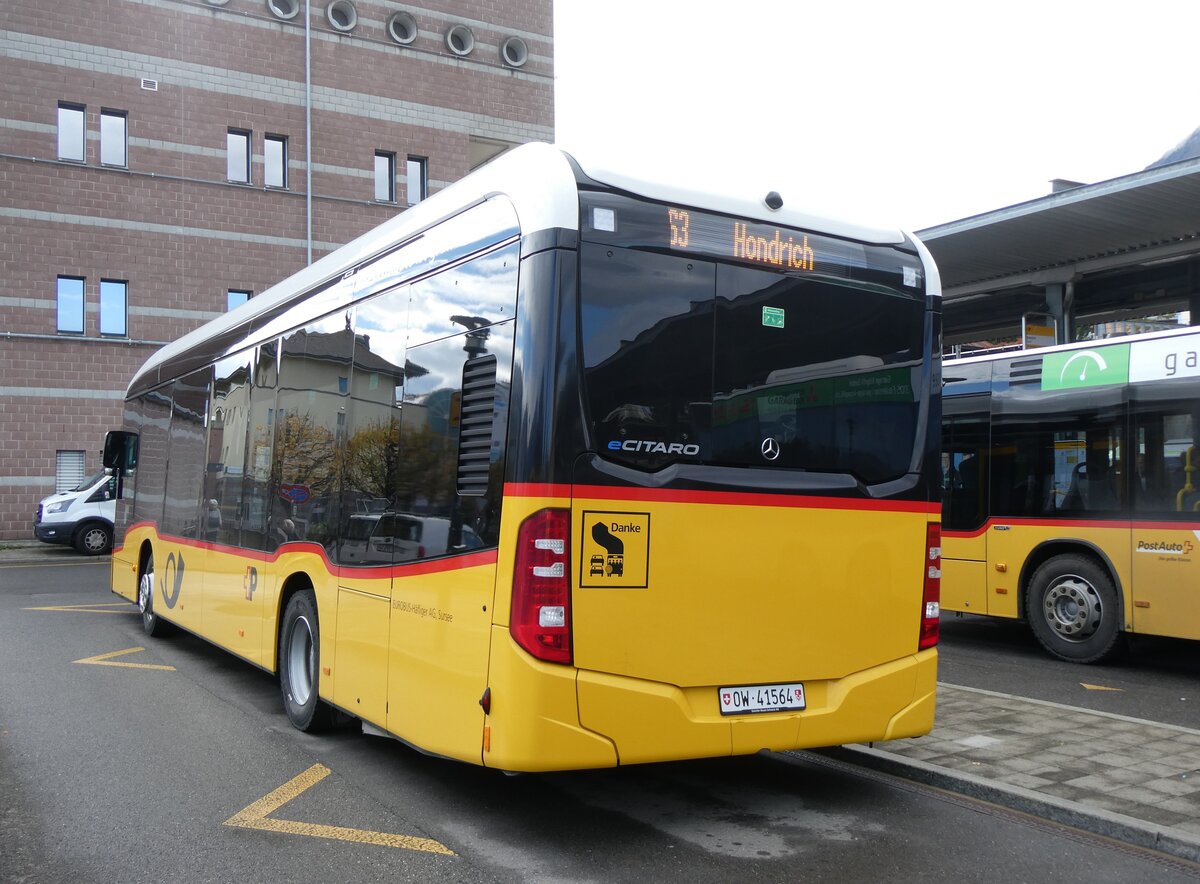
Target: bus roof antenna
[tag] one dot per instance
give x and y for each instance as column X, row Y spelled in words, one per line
column 773, row 200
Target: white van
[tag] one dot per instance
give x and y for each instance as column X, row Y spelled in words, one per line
column 82, row 516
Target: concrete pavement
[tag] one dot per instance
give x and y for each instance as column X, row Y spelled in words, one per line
column 1133, row 780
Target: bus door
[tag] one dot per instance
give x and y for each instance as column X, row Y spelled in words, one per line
column 965, row 463
column 1166, row 515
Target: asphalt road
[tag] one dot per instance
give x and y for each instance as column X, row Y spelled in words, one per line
column 1156, row 679
column 130, row 759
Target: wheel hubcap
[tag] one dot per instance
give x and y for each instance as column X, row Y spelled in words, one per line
column 301, row 655
column 1072, row 609
column 145, row 591
column 94, row 540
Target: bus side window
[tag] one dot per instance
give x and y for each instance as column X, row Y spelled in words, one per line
column 1160, row 481
column 964, row 468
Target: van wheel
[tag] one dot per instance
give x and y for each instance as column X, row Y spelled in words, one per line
column 300, row 664
column 1072, row 609
column 93, row 539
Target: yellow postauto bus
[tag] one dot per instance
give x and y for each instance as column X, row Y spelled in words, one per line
column 559, row 469
column 1070, row 494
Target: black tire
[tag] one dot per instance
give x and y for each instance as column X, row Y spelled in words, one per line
column 152, row 624
column 1073, row 611
column 300, row 664
column 93, row 539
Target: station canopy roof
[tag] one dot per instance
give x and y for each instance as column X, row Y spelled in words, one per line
column 1149, row 217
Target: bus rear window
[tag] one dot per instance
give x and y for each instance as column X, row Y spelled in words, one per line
column 704, row 362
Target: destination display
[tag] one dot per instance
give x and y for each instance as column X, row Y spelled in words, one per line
column 621, row 221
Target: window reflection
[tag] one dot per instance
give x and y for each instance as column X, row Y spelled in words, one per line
column 228, row 430
column 404, row 493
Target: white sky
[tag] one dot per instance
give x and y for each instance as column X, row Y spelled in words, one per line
column 910, row 113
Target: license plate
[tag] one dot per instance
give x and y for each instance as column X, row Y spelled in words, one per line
column 760, row 698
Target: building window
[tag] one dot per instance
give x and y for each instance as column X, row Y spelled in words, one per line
column 112, row 307
column 385, row 176
column 417, row 179
column 237, row 146
column 112, row 138
column 275, row 161
column 70, row 305
column 70, row 132
column 69, row 470
column 236, row 298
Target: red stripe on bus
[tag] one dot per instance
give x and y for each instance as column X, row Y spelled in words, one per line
column 1126, row 524
column 728, row 498
column 536, row 489
column 409, row 569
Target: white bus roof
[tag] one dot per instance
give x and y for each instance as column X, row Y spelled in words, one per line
column 539, row 182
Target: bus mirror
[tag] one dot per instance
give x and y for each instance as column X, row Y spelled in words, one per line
column 120, row 452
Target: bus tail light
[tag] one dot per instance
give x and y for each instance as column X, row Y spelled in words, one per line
column 931, row 594
column 541, row 600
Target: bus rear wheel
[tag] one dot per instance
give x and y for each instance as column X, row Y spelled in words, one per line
column 300, row 664
column 1072, row 609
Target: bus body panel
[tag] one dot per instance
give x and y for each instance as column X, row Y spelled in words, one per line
column 362, row 680
column 234, row 589
column 741, row 593
column 1155, row 566
column 965, row 572
column 125, row 560
column 534, row 720
column 1166, row 579
column 650, row 721
column 441, row 617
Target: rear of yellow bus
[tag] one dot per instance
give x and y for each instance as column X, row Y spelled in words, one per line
column 720, row 527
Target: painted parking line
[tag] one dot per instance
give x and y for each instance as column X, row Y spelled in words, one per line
column 121, row 608
column 258, row 816
column 107, row 660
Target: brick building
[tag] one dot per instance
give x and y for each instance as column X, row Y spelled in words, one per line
column 155, row 170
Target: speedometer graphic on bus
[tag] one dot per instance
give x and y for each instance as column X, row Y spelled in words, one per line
column 1082, row 361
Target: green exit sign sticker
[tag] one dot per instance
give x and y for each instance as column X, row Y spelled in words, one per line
column 772, row 317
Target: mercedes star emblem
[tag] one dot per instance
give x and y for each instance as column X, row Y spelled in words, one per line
column 770, row 448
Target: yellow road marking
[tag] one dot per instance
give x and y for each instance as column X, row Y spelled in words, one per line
column 1099, row 687
column 257, row 816
column 106, row 660
column 88, row 609
column 32, row 564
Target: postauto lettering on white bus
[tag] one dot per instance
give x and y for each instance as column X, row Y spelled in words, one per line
column 82, row 517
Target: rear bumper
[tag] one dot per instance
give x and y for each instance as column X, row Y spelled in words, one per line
column 550, row 717
column 654, row 722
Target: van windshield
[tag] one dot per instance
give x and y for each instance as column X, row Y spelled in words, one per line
column 90, row 481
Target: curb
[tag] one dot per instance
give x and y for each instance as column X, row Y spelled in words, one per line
column 34, row 553
column 1120, row 827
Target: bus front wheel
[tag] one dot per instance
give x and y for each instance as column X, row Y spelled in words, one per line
column 300, row 663
column 152, row 624
column 1072, row 609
